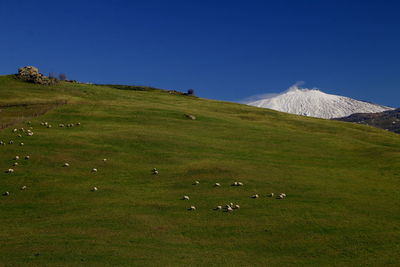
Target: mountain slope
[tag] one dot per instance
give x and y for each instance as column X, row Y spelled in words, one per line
column 341, row 181
column 388, row 120
column 314, row 103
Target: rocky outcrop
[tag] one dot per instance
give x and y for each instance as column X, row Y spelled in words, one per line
column 32, row 75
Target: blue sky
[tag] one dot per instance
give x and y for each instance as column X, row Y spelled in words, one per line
column 226, row 50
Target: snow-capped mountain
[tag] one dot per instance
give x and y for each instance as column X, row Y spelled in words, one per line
column 314, row 103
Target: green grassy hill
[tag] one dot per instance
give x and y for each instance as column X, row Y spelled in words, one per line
column 342, row 183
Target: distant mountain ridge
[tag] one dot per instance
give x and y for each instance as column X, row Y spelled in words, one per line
column 388, row 120
column 314, row 103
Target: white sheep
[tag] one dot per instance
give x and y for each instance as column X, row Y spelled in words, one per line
column 235, row 184
column 218, row 208
column 15, row 164
column 217, row 184
column 66, row 164
column 61, row 125
column 94, row 170
column 229, row 208
column 104, row 160
column 15, row 130
column 16, row 158
column 196, row 183
column 49, row 126
column 21, row 144
column 271, row 195
column 192, row 208
column 236, row 206
column 283, row 194
column 23, row 187
column 10, row 170
column 11, row 142
column 254, row 196
column 27, row 157
column 94, row 189
column 6, row 193
column 2, row 143
column 19, row 135
column 30, row 133
column 185, row 198
column 240, row 184
column 78, row 123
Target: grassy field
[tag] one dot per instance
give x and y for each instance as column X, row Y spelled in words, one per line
column 342, row 183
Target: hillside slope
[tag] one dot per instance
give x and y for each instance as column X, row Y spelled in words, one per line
column 341, row 180
column 388, row 120
column 314, row 103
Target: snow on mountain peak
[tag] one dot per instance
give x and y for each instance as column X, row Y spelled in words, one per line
column 315, row 103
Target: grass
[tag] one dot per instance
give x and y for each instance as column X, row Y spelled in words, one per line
column 341, row 180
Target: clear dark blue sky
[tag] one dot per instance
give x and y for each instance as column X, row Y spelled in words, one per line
column 225, row 50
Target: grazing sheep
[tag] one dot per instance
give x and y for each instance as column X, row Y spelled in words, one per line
column 27, row 157
column 15, row 164
column 94, row 189
column 19, row 135
column 185, row 198
column 2, row 143
column 218, row 208
column 240, row 184
column 229, row 208
column 49, row 126
column 236, row 206
column 61, row 125
column 217, row 184
column 66, row 165
column 196, row 182
column 10, row 171
column 78, row 123
column 254, row 196
column 271, row 195
column 280, row 197
column 283, row 194
column 16, row 158
column 46, row 123
column 155, row 172
column 94, row 170
column 104, row 160
column 30, row 134
column 235, row 184
column 6, row 193
column 15, row 130
column 21, row 144
column 11, row 142
column 192, row 208
column 23, row 187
